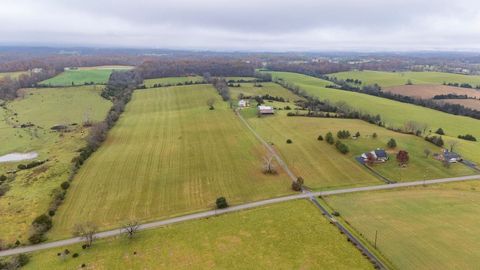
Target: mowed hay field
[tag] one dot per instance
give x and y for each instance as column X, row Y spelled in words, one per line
column 427, row 91
column 291, row 235
column 387, row 79
column 30, row 190
column 172, row 80
column 394, row 113
column 52, row 106
column 168, row 154
column 272, row 89
column 323, row 167
column 433, row 227
column 80, row 76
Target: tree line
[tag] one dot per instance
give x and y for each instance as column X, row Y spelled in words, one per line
column 9, row 86
column 219, row 67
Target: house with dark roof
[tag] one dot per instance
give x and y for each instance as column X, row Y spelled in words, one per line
column 378, row 154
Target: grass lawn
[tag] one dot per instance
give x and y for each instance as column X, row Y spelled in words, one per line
column 387, row 79
column 172, row 80
column 80, row 76
column 394, row 113
column 322, row 166
column 168, row 154
column 291, row 235
column 433, row 227
column 273, row 89
column 30, row 190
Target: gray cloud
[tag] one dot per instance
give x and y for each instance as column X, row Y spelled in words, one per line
column 245, row 25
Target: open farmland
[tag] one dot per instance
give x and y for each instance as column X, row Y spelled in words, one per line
column 434, row 227
column 30, row 190
column 272, row 89
column 427, row 91
column 83, row 75
column 322, row 166
column 172, row 80
column 260, row 238
column 394, row 113
column 168, row 154
column 388, row 79
column 13, row 75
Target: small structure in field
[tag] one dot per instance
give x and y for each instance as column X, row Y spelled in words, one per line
column 449, row 156
column 378, row 155
column 243, row 103
column 265, row 109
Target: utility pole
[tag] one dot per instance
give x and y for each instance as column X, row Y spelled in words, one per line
column 376, row 233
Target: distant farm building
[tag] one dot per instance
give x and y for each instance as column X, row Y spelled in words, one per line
column 265, row 109
column 378, row 155
column 243, row 103
column 449, row 156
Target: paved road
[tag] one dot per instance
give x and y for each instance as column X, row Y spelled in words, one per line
column 211, row 213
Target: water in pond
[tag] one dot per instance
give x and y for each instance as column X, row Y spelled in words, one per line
column 13, row 157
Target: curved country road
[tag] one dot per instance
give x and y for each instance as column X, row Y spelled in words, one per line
column 211, row 213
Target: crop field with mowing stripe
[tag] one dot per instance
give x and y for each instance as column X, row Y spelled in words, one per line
column 168, row 154
column 323, row 167
column 395, row 114
column 433, row 227
column 172, row 80
column 387, row 79
column 273, row 89
column 80, row 76
column 30, row 190
column 291, row 235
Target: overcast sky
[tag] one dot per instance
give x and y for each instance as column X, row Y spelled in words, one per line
column 258, row 25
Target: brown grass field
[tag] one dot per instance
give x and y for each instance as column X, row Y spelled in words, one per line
column 429, row 90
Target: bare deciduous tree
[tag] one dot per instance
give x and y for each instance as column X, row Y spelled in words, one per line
column 210, row 103
column 86, row 231
column 427, row 152
column 268, row 165
column 452, row 145
column 131, row 228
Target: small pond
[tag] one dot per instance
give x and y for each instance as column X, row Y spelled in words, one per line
column 14, row 157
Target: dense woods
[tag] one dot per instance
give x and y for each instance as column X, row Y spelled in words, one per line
column 213, row 66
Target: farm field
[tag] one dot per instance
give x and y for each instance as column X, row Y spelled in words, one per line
column 272, row 89
column 322, row 166
column 428, row 91
column 393, row 113
column 433, row 227
column 168, row 155
column 240, row 78
column 53, row 106
column 80, row 76
column 12, row 75
column 172, row 80
column 30, row 190
column 259, row 238
column 388, row 79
